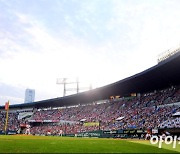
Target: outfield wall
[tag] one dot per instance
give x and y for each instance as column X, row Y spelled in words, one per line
column 127, row 133
column 9, row 132
column 121, row 133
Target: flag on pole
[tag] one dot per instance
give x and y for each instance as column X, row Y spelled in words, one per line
column 6, row 122
column 7, row 106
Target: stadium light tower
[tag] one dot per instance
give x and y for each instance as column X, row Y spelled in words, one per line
column 64, row 81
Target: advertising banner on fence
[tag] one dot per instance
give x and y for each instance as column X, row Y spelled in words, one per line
column 91, row 124
column 90, row 134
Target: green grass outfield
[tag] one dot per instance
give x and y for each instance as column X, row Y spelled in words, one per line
column 45, row 144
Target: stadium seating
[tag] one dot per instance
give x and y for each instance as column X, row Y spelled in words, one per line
column 150, row 110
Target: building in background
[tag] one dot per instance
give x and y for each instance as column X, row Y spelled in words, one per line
column 29, row 95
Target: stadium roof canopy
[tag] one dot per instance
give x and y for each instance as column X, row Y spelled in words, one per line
column 162, row 75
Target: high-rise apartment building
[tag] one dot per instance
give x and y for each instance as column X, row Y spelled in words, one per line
column 29, row 96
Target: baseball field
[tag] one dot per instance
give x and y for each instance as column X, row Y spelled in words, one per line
column 50, row 144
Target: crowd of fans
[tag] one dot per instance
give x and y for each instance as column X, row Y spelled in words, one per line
column 54, row 129
column 149, row 110
column 171, row 123
column 13, row 122
column 46, row 115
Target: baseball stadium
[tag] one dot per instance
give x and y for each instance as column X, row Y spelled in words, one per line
column 139, row 114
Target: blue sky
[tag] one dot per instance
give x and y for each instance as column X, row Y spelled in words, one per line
column 100, row 41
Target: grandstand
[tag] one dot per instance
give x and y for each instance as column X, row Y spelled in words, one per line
column 131, row 107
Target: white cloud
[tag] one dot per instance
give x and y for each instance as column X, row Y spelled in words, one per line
column 53, row 58
column 11, row 99
column 104, row 49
